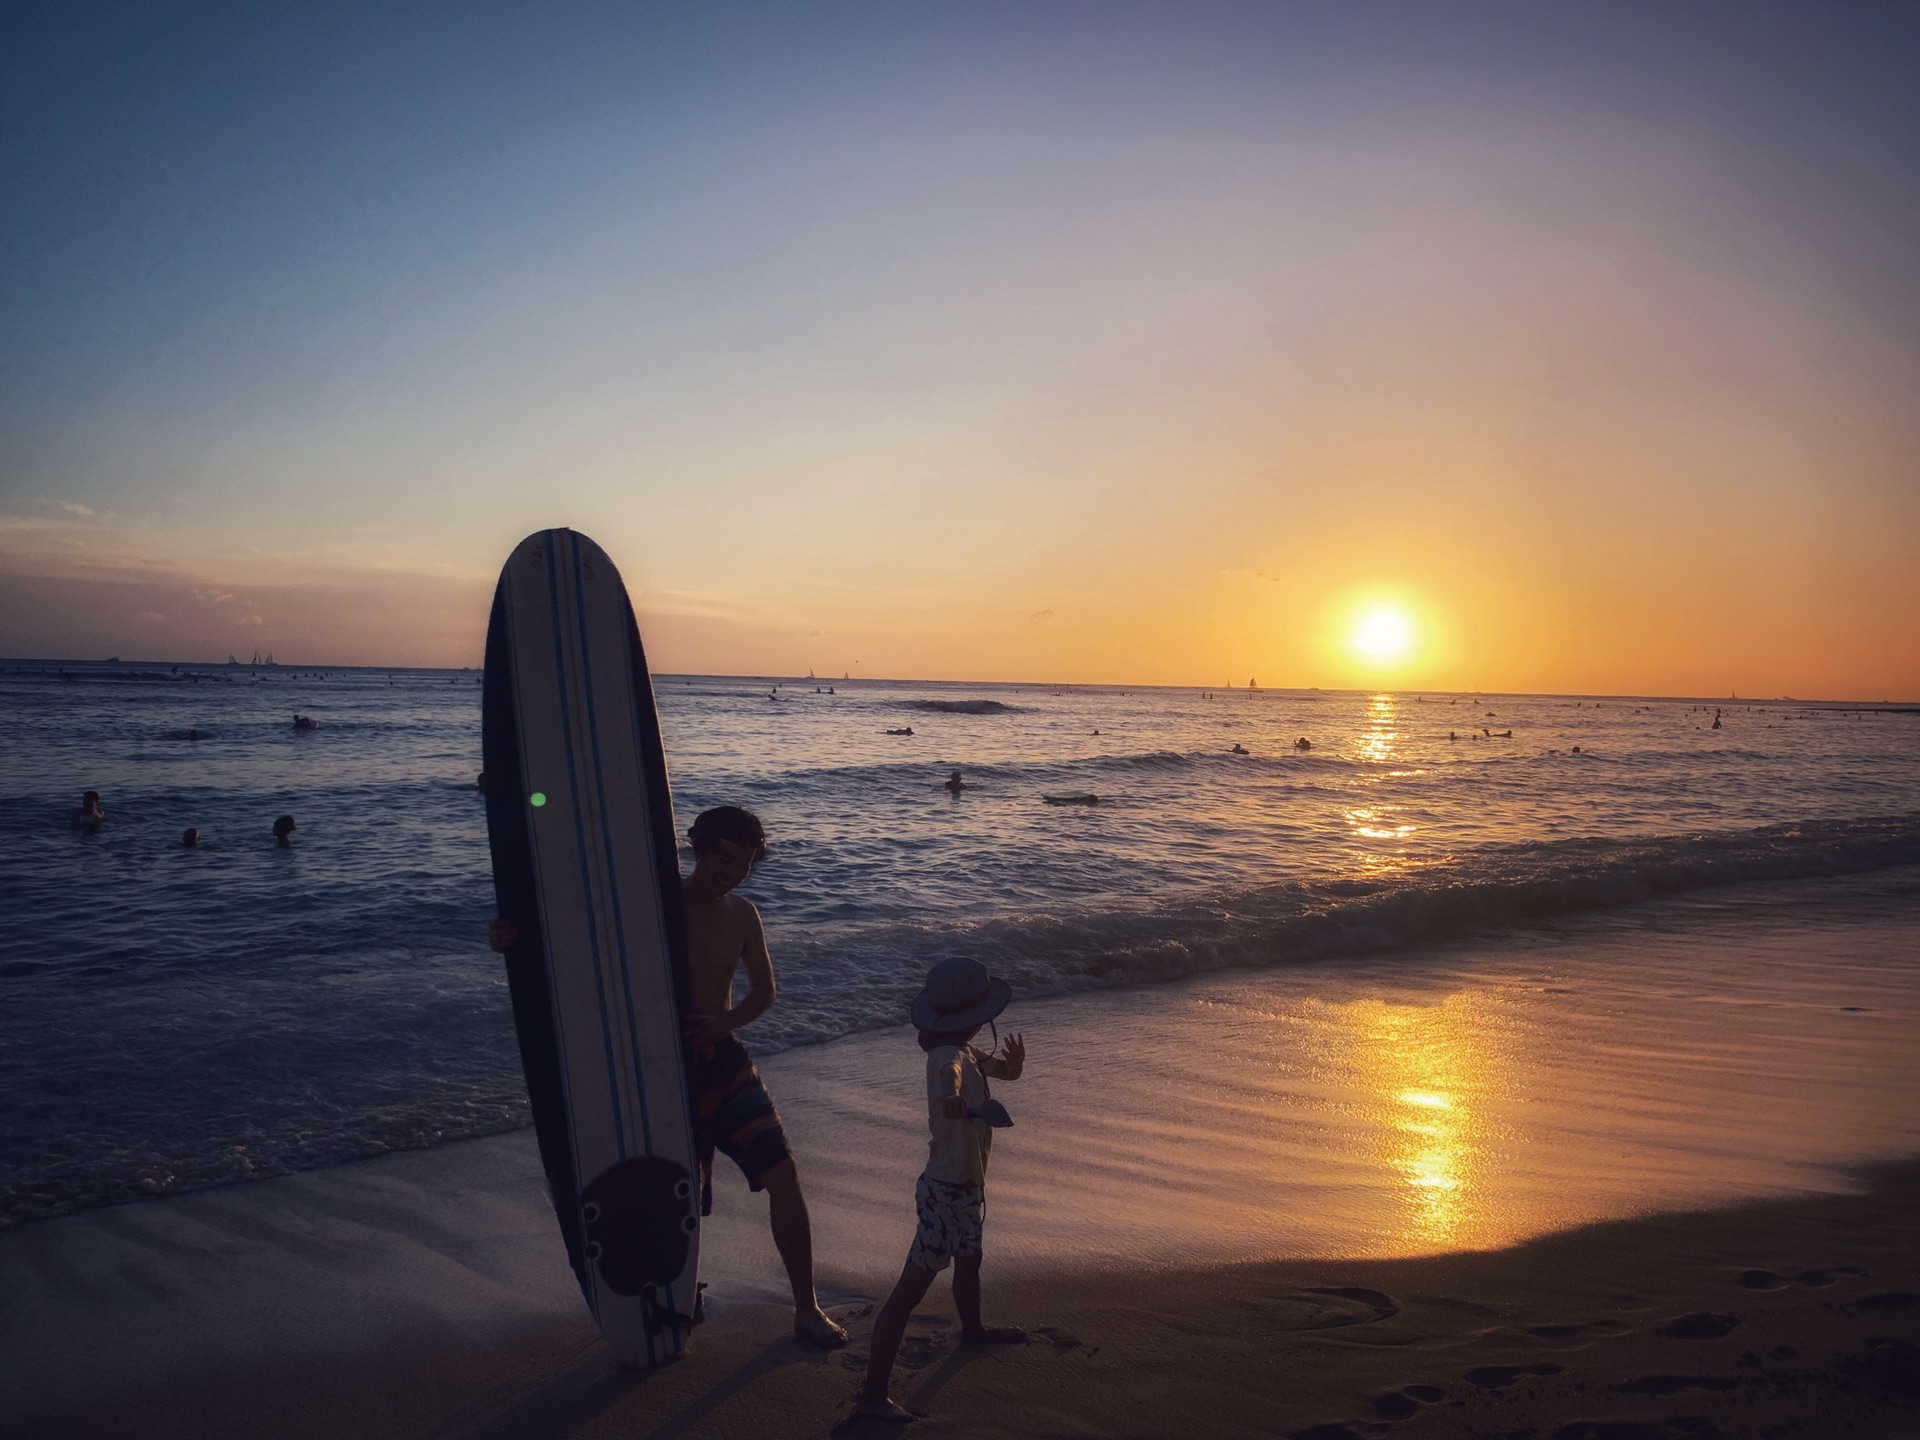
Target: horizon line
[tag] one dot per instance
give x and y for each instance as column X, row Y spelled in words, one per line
column 1119, row 685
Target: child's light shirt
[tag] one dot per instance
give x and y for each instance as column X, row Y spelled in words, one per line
column 956, row 1149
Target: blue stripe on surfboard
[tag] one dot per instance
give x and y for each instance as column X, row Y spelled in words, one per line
column 580, row 836
column 591, row 720
column 606, row 843
column 643, row 708
column 546, row 956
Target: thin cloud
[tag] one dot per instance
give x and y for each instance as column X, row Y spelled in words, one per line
column 85, row 512
column 154, row 615
column 1039, row 617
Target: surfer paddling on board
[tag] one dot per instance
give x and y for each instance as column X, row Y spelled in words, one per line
column 732, row 1111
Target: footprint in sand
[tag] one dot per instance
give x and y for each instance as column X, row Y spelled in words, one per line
column 1498, row 1377
column 1583, row 1330
column 1703, row 1326
column 1059, row 1339
column 1886, row 1365
column 1328, row 1308
column 1405, row 1403
column 1890, row 1300
column 1674, row 1384
column 1768, row 1280
column 919, row 1351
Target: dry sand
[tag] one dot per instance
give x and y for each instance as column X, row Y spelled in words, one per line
column 1790, row 1317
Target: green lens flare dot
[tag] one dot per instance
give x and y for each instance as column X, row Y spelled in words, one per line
column 538, row 798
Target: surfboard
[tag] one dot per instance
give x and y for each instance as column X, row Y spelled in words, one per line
column 585, row 867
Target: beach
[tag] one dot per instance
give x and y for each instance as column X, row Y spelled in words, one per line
column 1445, row 1195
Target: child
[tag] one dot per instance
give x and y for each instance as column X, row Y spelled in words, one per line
column 950, row 1197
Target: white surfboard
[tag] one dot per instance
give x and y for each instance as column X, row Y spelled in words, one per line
column 585, row 866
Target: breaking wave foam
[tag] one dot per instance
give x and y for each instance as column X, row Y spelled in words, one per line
column 863, row 979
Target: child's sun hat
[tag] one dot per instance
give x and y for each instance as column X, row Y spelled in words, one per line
column 958, row 995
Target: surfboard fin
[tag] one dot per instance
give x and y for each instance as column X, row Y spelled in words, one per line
column 661, row 1316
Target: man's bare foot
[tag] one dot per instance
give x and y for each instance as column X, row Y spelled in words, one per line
column 994, row 1335
column 817, row 1329
column 885, row 1408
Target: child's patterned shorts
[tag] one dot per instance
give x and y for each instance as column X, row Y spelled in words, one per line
column 951, row 1219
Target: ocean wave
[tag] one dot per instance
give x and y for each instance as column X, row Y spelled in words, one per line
column 864, row 978
column 959, row 707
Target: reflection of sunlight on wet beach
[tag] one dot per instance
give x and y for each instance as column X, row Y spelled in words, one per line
column 1429, row 1066
column 1498, row 1090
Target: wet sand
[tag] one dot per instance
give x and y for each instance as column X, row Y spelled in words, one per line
column 1488, row 1190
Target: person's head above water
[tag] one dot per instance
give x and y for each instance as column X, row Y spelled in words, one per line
column 192, row 837
column 283, row 829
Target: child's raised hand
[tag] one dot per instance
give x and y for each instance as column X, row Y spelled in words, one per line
column 1014, row 1056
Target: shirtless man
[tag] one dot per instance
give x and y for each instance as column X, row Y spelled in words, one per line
column 732, row 1112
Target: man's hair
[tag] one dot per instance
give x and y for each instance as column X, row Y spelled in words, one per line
column 728, row 822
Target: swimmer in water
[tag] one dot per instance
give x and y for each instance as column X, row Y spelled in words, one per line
column 283, row 829
column 1303, row 743
column 191, row 838
column 302, row 722
column 954, row 784
column 89, row 817
column 193, row 734
column 907, row 731
column 1239, row 749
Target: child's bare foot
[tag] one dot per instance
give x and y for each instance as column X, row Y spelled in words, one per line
column 817, row 1329
column 994, row 1335
column 885, row 1408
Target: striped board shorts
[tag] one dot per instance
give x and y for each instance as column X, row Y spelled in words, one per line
column 733, row 1113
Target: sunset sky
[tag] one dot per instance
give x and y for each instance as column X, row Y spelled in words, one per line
column 1149, row 344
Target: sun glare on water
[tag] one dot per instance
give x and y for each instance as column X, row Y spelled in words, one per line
column 1382, row 633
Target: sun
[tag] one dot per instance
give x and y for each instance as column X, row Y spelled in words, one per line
column 1381, row 633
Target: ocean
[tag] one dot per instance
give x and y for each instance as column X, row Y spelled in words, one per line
column 179, row 1018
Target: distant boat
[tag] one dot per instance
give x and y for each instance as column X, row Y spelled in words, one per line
column 1253, row 684
column 230, row 659
column 113, row 659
